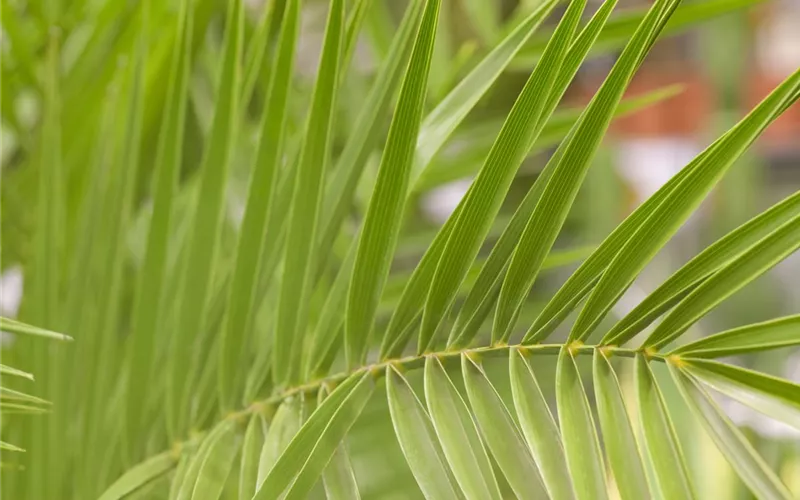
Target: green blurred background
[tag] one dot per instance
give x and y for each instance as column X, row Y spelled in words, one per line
column 722, row 68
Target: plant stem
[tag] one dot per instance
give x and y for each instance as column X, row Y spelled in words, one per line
column 408, row 363
column 449, row 357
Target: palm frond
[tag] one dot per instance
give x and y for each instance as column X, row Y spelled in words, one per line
column 230, row 236
column 18, row 402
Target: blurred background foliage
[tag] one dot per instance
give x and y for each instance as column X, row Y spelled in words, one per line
column 704, row 76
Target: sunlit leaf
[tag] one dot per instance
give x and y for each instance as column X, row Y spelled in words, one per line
column 500, row 432
column 661, row 443
column 772, row 396
column 303, row 460
column 283, row 427
column 744, row 459
column 540, row 429
column 581, row 445
column 252, row 445
column 703, row 173
column 774, row 334
column 417, row 438
column 457, row 433
column 573, row 162
column 618, row 436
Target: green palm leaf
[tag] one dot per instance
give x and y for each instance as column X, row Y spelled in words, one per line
column 207, row 219
column 242, row 249
column 233, row 341
column 500, row 432
column 458, row 435
column 781, row 332
column 539, row 427
column 749, row 265
column 773, row 396
column 304, row 212
column 706, row 170
column 547, row 218
column 483, row 201
column 253, row 443
column 581, row 445
column 699, row 268
column 663, row 448
column 282, row 428
column 738, row 450
column 138, row 476
column 619, row 437
column 382, row 222
column 417, row 438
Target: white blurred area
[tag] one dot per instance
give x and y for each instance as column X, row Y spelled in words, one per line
column 648, row 163
column 10, row 291
column 440, row 202
column 10, row 298
column 778, row 42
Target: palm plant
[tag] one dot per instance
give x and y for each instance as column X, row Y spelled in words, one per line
column 18, row 402
column 262, row 357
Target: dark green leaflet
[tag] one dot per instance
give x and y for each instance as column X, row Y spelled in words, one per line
column 381, row 226
column 752, row 263
column 699, row 268
column 484, row 198
column 773, row 334
column 706, row 170
column 482, row 295
column 551, row 211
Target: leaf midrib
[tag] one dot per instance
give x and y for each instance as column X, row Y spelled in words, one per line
column 405, row 364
